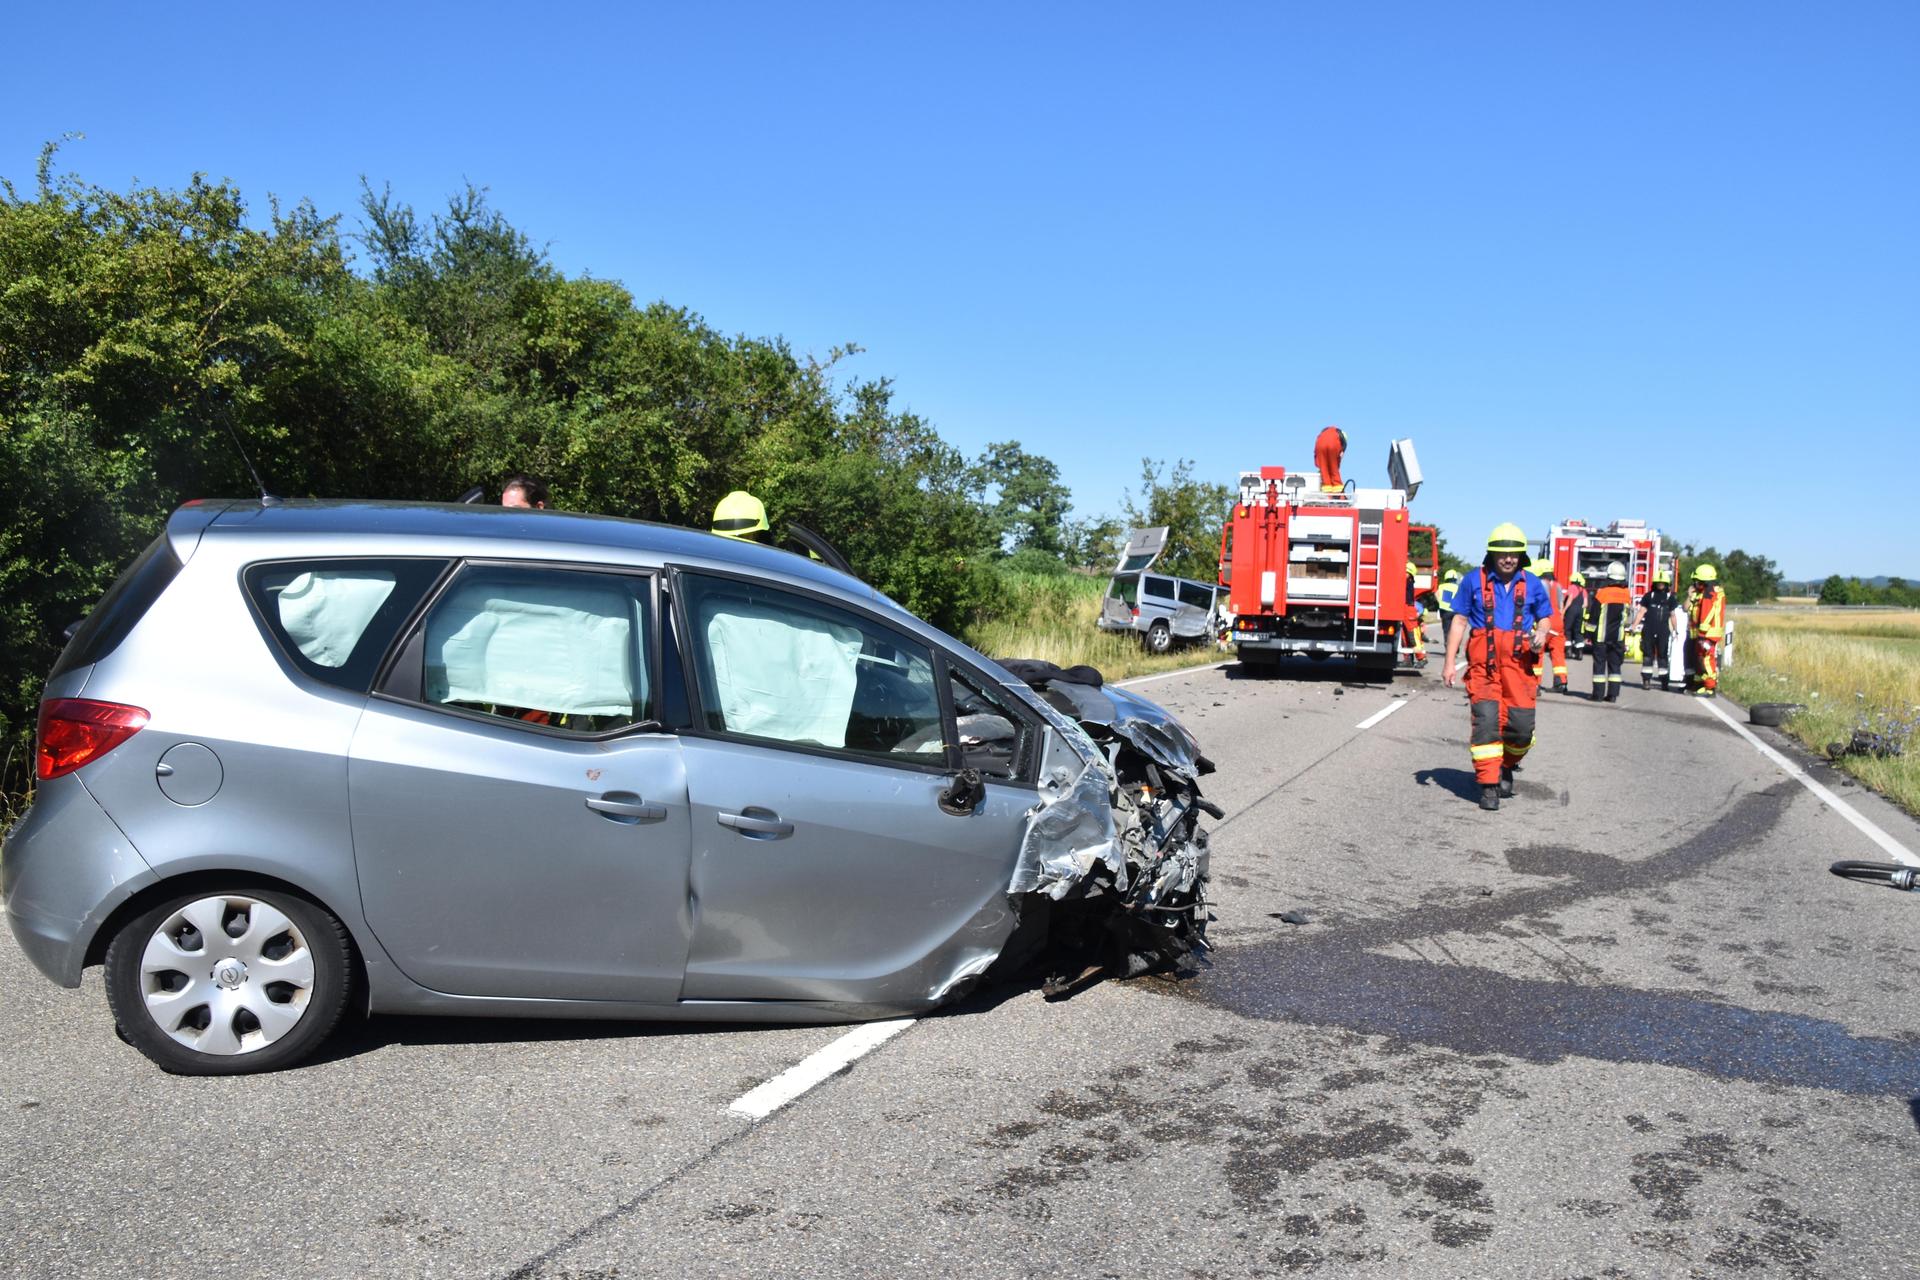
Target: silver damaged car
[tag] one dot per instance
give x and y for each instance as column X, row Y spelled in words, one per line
column 415, row 759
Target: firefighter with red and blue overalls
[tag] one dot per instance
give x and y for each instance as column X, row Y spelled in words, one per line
column 1556, row 630
column 1502, row 614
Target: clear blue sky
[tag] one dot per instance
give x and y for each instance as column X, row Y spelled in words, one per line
column 1646, row 260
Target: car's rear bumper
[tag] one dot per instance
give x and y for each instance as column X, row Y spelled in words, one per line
column 65, row 867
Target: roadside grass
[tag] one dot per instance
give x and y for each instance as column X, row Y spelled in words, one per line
column 1053, row 617
column 1852, row 671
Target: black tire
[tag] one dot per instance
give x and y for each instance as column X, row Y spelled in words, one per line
column 1159, row 638
column 1772, row 714
column 302, row 972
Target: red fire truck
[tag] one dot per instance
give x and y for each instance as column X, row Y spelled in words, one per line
column 1320, row 574
column 1575, row 546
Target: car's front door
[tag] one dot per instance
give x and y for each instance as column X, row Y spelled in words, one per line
column 824, row 866
column 520, row 824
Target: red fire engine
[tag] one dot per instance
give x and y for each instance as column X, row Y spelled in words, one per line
column 1575, row 546
column 1320, row 574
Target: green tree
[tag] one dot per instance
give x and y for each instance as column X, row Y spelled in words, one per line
column 1834, row 590
column 1030, row 504
column 1193, row 511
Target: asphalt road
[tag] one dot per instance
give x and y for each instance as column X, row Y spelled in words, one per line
column 1627, row 1026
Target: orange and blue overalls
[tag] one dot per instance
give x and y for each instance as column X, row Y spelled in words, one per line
column 1503, row 679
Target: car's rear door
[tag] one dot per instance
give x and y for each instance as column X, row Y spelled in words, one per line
column 519, row 821
column 824, row 867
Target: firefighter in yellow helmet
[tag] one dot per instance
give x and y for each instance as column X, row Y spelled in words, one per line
column 1449, row 583
column 1655, row 622
column 1556, row 630
column 1416, row 632
column 1707, row 618
column 1501, row 614
column 1609, row 616
column 741, row 515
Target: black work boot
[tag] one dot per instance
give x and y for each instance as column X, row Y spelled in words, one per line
column 1559, row 684
column 1613, row 692
column 1490, row 797
column 1506, row 780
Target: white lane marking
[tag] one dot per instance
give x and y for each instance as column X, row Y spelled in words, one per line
column 763, row 1100
column 1899, row 852
column 1381, row 714
column 1167, row 675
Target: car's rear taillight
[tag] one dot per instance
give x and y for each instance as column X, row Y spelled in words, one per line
column 76, row 731
column 1134, row 611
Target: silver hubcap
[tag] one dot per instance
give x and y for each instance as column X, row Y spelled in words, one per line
column 227, row 975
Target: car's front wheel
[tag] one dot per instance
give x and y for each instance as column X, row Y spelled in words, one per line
column 212, row 984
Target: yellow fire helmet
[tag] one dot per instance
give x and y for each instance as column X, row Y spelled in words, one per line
column 1705, row 573
column 1451, row 575
column 1412, row 569
column 739, row 515
column 1662, row 578
column 1541, row 567
column 1507, row 540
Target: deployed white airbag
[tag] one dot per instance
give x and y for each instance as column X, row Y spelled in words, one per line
column 563, row 648
column 326, row 612
column 779, row 674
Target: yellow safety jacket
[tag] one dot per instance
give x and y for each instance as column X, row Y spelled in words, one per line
column 1709, row 614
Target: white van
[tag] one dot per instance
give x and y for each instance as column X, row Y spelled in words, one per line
column 1161, row 609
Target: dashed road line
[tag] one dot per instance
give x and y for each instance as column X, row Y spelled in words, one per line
column 1894, row 849
column 1381, row 714
column 763, row 1100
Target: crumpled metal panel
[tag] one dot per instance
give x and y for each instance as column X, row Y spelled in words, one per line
column 1068, row 835
column 1093, row 822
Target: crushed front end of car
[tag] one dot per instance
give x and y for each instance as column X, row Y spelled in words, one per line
column 1113, row 857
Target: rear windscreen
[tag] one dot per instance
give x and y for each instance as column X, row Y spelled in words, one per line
column 125, row 603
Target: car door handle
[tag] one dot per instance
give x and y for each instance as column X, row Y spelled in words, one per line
column 634, row 808
column 762, row 822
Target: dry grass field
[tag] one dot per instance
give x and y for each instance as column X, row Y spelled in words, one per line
column 1053, row 617
column 1855, row 671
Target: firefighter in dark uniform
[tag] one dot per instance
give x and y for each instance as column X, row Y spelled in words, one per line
column 1654, row 622
column 1502, row 616
column 1609, row 613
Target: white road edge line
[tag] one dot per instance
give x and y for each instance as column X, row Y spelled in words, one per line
column 1168, row 675
column 1381, row 714
column 1899, row 852
column 763, row 1100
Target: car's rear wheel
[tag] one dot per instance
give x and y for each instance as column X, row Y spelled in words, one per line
column 1159, row 638
column 224, row 983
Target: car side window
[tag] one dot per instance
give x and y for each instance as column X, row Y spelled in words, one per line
column 786, row 668
column 1160, row 588
column 1196, row 595
column 992, row 739
column 333, row 619
column 558, row 648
